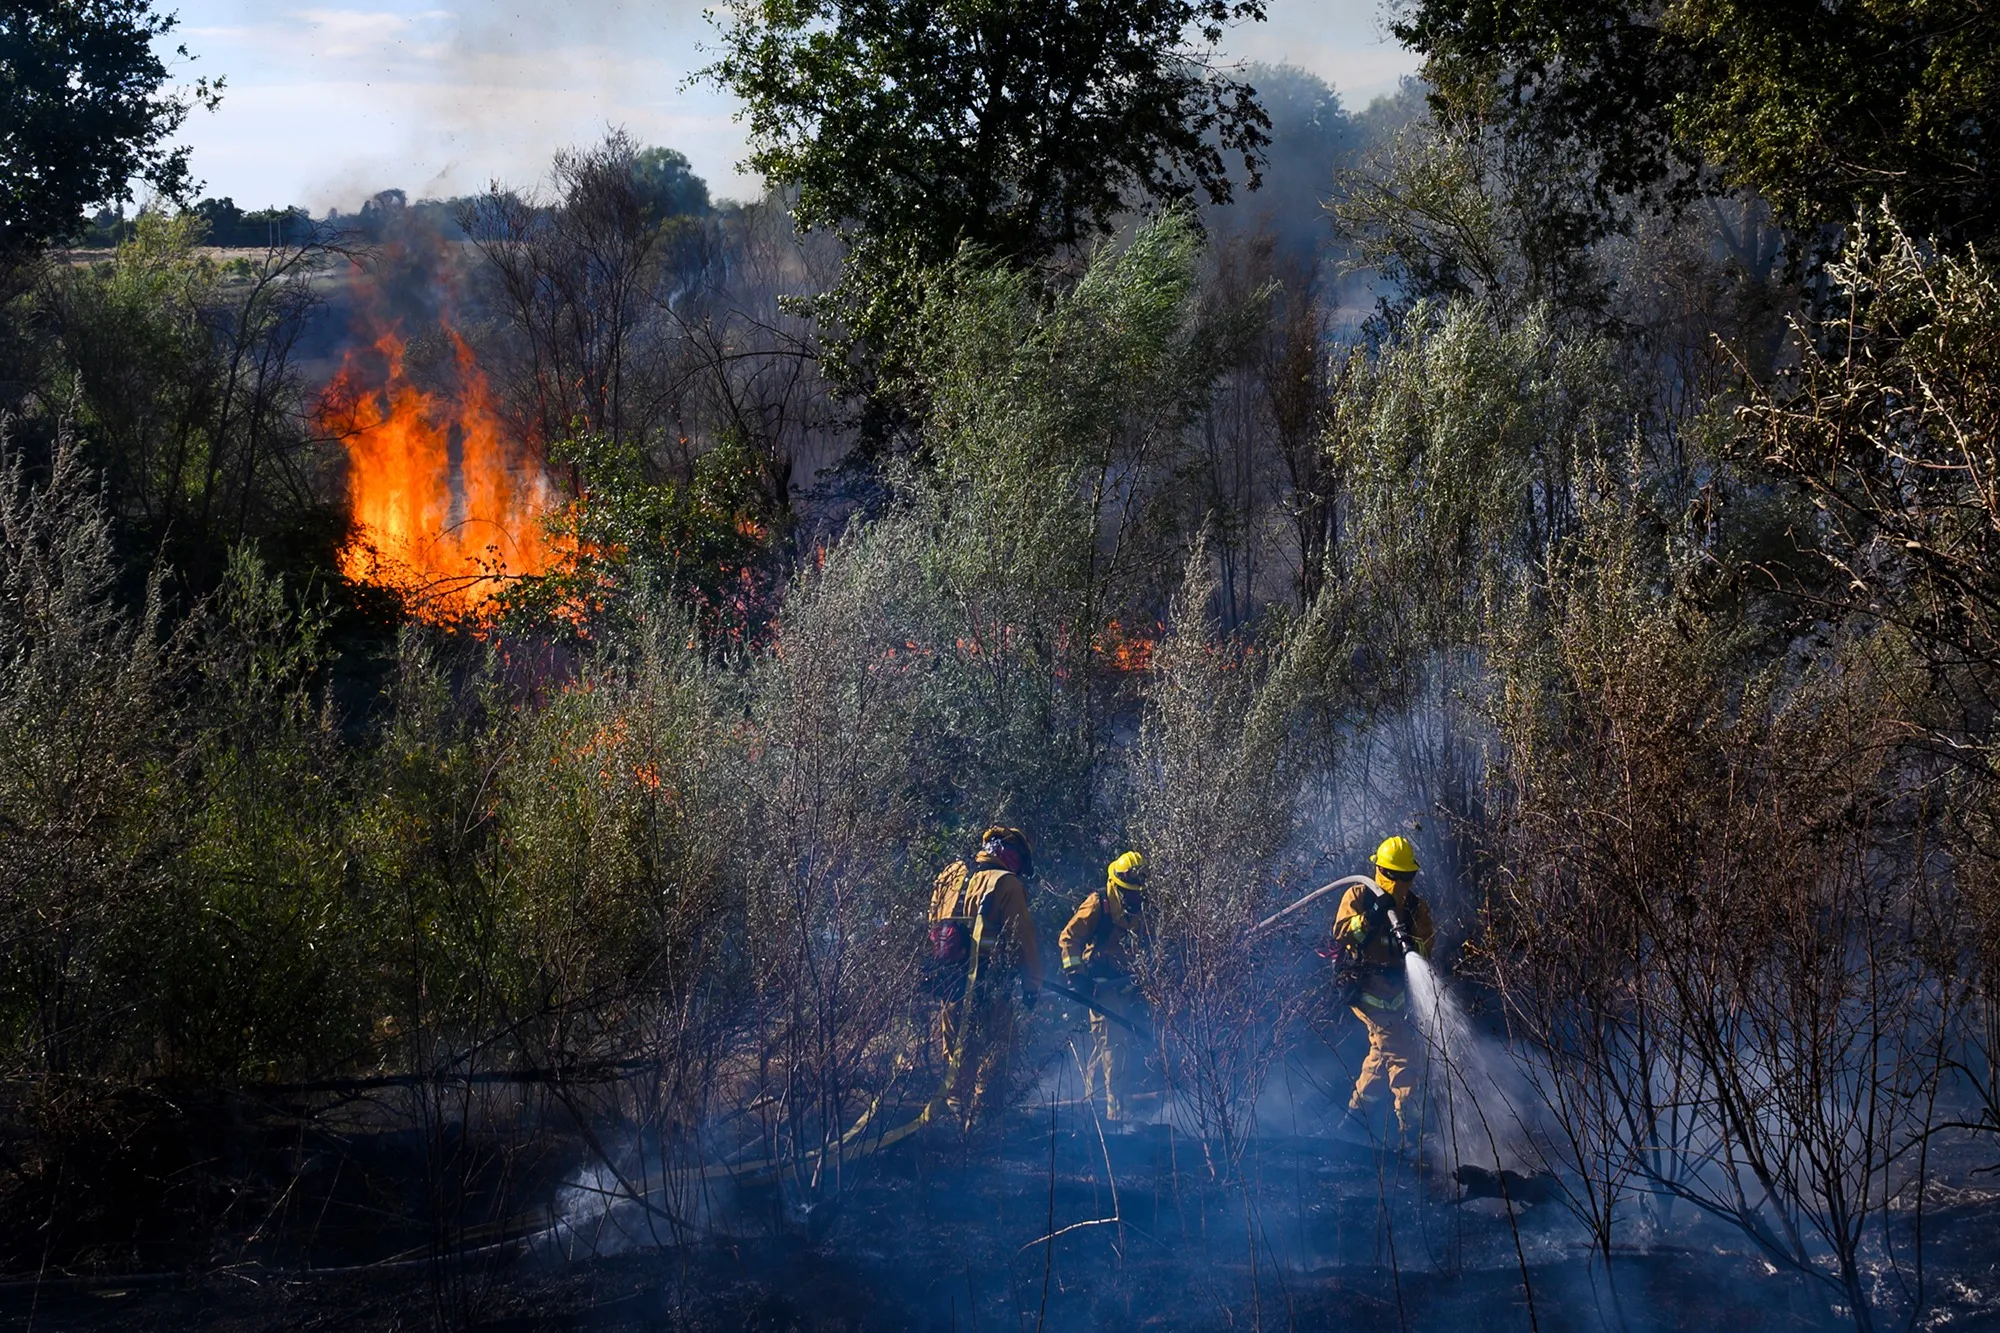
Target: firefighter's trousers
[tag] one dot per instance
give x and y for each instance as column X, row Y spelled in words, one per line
column 975, row 1043
column 1117, row 1056
column 1393, row 1047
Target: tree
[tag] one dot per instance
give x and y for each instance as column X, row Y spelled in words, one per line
column 666, row 180
column 1311, row 138
column 590, row 278
column 183, row 379
column 1507, row 220
column 80, row 95
column 1023, row 127
column 1819, row 107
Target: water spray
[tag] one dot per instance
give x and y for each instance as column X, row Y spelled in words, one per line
column 1472, row 1085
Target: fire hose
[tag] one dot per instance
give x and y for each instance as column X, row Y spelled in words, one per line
column 1378, row 901
column 1344, row 882
column 1097, row 1008
column 1349, row 976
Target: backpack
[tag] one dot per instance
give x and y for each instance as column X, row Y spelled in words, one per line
column 951, row 944
column 949, row 964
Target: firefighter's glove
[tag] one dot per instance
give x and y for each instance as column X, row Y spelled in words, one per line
column 1083, row 983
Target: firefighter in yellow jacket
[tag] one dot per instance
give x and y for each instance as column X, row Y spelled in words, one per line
column 982, row 940
column 1372, row 931
column 1098, row 946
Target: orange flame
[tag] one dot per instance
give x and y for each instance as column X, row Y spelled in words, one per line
column 445, row 535
column 1122, row 651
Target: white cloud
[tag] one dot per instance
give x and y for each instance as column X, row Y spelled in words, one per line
column 328, row 104
column 1345, row 42
column 338, row 34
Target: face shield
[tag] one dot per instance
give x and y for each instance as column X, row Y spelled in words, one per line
column 1127, row 890
column 1394, row 881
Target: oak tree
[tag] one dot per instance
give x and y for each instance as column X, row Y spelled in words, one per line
column 84, row 114
column 1820, row 106
column 1021, row 127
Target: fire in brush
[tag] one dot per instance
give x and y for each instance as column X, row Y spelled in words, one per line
column 446, row 501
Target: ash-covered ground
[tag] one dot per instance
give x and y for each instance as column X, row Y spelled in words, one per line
column 1039, row 1222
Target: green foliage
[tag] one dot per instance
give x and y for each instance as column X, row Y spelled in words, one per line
column 667, row 180
column 837, row 788
column 1214, row 783
column 180, row 379
column 616, row 830
column 254, row 958
column 1465, row 450
column 709, row 543
column 1822, row 109
column 1033, row 403
column 1052, row 424
column 1446, row 215
column 1591, row 81
column 89, row 769
column 1018, row 127
column 135, row 338
column 263, row 228
column 1828, row 109
column 80, row 94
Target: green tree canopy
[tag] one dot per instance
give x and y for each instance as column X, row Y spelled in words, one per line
column 82, row 115
column 1821, row 106
column 667, row 182
column 1021, row 126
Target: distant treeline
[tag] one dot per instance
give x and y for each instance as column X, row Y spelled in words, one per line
column 666, row 184
column 228, row 225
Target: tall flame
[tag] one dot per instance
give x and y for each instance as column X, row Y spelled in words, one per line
column 445, row 535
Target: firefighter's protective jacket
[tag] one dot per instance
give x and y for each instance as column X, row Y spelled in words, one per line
column 1366, row 939
column 1099, row 940
column 997, row 900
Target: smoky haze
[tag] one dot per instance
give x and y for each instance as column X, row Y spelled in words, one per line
column 328, row 105
column 549, row 691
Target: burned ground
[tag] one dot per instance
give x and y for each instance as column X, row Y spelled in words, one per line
column 312, row 1211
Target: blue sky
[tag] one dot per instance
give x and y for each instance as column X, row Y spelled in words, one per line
column 327, row 104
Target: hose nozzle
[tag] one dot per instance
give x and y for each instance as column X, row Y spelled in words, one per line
column 1401, row 932
column 1383, row 907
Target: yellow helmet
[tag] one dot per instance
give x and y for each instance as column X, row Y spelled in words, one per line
column 1397, row 854
column 1127, row 872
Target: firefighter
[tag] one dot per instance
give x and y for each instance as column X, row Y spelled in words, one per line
column 1098, row 946
column 1372, row 931
column 982, row 940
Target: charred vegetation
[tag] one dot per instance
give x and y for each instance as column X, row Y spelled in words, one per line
column 487, row 688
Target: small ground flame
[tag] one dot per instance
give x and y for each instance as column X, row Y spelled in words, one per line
column 1121, row 650
column 444, row 526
